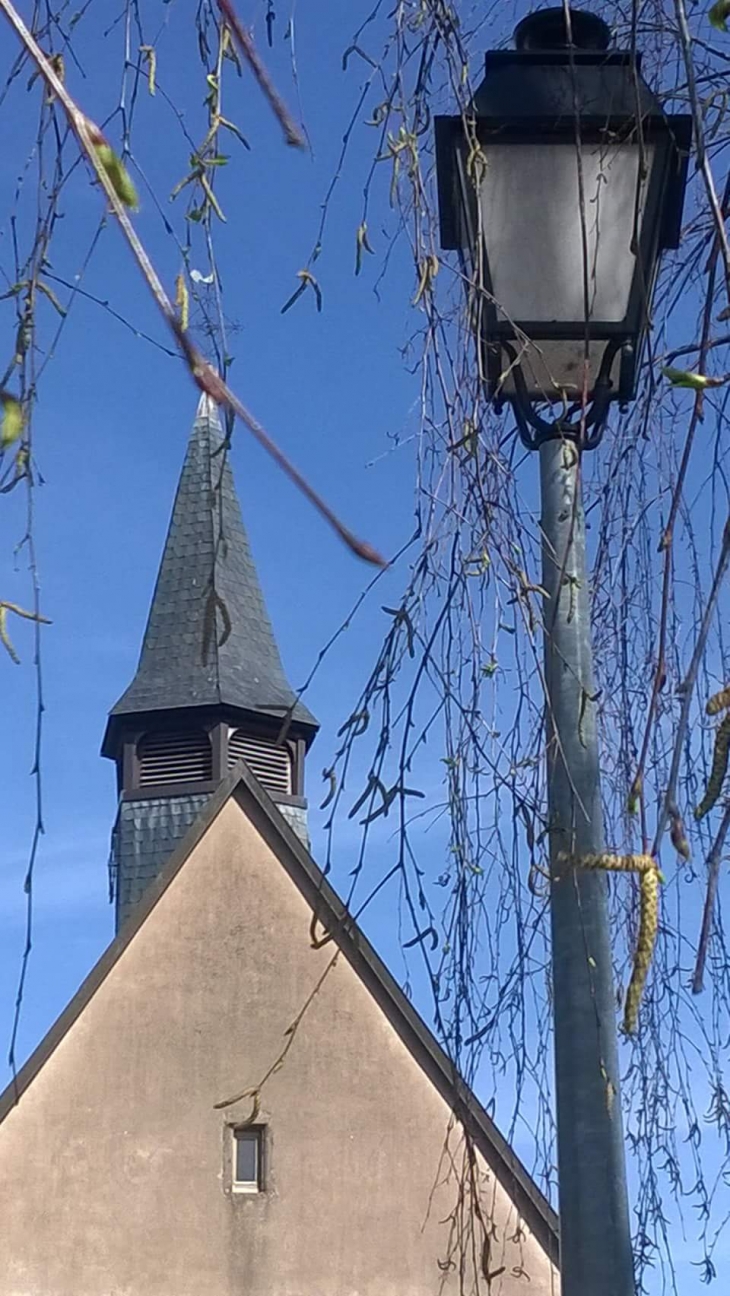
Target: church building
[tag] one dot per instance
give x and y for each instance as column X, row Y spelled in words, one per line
column 240, row 1100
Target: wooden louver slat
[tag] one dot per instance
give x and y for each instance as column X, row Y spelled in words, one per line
column 175, row 758
column 271, row 765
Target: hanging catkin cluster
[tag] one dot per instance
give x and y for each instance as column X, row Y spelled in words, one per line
column 612, row 863
column 719, row 767
column 718, row 702
column 649, row 879
column 648, row 926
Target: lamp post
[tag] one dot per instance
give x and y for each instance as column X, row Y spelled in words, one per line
column 561, row 186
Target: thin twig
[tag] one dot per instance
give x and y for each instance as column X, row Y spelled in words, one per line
column 702, row 158
column 292, row 133
column 714, row 859
column 688, row 684
column 666, row 547
column 202, row 373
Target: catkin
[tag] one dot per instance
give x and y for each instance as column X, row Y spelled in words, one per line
column 718, row 702
column 648, row 925
column 649, row 879
column 718, row 771
column 182, row 301
column 612, row 863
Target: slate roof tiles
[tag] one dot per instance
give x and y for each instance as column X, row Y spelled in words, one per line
column 209, row 640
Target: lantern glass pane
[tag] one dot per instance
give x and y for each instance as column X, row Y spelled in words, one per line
column 547, row 263
column 555, row 371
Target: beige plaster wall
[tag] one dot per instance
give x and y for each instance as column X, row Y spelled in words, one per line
column 112, row 1175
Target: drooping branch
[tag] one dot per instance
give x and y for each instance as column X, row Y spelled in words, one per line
column 202, row 373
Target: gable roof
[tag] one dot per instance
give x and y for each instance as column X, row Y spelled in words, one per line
column 209, row 640
column 341, row 926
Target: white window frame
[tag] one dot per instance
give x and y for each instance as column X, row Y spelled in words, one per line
column 257, row 1135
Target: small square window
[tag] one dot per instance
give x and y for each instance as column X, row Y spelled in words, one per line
column 247, row 1159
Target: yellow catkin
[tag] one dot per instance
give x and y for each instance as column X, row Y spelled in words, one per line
column 718, row 771
column 648, row 925
column 182, row 301
column 612, row 863
column 12, row 420
column 719, row 701
column 649, row 879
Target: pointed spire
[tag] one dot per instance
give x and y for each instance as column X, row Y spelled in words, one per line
column 209, row 640
column 207, row 409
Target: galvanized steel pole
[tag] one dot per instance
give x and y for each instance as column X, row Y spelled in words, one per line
column 595, row 1238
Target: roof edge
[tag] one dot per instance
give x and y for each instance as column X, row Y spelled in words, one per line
column 337, row 921
column 342, row 927
column 15, row 1089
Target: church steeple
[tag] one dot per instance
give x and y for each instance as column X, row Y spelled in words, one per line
column 210, row 687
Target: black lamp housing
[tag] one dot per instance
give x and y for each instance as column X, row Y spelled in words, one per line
column 561, row 187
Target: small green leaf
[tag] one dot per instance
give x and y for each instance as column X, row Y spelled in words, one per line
column 13, row 420
column 683, row 378
column 118, row 175
column 719, row 14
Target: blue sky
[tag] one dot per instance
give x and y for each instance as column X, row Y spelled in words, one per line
column 113, row 419
column 112, row 422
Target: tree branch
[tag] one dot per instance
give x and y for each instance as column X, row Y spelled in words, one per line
column 202, row 373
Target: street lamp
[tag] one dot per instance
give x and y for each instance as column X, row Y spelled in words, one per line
column 561, row 186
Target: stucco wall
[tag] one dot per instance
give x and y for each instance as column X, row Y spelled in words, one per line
column 111, row 1166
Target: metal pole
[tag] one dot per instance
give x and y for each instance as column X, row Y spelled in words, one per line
column 595, row 1237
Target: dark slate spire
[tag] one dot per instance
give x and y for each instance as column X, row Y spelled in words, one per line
column 209, row 641
column 209, row 690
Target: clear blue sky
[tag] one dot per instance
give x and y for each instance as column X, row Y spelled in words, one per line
column 113, row 418
column 112, row 422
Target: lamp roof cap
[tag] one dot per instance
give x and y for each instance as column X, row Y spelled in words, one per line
column 547, row 29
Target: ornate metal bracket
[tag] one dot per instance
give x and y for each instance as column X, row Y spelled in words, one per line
column 586, row 429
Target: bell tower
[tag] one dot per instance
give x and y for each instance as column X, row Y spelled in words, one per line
column 209, row 689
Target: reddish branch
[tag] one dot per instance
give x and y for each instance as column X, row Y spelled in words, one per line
column 292, row 133
column 202, row 373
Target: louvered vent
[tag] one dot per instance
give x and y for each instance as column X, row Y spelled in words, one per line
column 175, row 758
column 270, row 764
